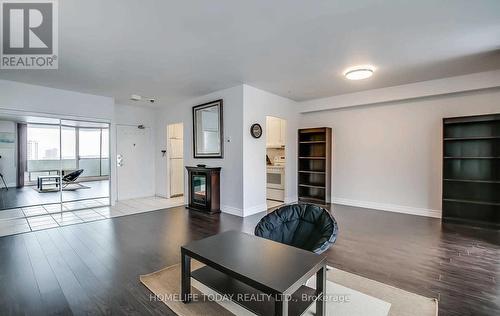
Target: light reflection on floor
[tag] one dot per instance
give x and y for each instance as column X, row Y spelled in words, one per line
column 34, row 218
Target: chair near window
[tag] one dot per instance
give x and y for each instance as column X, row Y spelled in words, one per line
column 71, row 178
column 304, row 226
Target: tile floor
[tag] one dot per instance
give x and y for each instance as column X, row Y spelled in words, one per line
column 22, row 220
column 27, row 195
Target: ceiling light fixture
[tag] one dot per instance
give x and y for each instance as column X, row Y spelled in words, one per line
column 359, row 72
column 135, row 97
column 139, row 98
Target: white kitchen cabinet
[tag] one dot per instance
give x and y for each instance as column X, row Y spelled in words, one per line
column 276, row 132
column 282, row 141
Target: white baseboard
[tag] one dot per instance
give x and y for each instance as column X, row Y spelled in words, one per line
column 255, row 209
column 231, row 210
column 389, row 207
column 244, row 213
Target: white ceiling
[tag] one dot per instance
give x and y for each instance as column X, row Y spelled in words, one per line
column 173, row 50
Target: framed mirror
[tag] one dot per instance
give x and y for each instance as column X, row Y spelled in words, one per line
column 208, row 130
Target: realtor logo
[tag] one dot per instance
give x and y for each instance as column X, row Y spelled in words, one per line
column 29, row 34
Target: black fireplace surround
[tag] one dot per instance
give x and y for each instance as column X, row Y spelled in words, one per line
column 204, row 189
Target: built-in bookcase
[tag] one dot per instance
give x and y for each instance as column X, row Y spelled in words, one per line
column 314, row 165
column 471, row 170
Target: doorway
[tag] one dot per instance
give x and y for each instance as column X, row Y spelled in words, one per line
column 275, row 161
column 135, row 162
column 175, row 152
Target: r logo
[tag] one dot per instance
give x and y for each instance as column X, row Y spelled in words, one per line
column 27, row 28
column 29, row 31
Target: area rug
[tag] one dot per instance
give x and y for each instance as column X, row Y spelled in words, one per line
column 347, row 293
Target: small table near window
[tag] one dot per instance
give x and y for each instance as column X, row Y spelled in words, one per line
column 48, row 180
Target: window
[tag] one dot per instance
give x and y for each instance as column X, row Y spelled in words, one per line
column 43, row 142
column 105, row 152
column 68, row 142
column 68, row 148
column 105, row 143
column 44, row 151
column 89, row 143
column 94, row 151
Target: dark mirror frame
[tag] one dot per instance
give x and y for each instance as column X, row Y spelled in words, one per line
column 221, row 129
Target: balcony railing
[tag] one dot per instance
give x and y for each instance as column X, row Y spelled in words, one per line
column 93, row 167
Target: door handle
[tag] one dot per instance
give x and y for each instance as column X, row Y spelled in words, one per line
column 119, row 160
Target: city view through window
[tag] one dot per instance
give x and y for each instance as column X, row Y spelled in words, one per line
column 50, row 148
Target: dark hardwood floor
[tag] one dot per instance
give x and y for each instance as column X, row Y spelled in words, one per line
column 93, row 268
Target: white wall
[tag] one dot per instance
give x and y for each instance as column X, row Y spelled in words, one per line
column 232, row 163
column 8, row 163
column 42, row 100
column 389, row 156
column 243, row 175
column 257, row 105
column 135, row 115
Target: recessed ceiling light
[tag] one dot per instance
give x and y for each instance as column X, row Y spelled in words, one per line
column 359, row 72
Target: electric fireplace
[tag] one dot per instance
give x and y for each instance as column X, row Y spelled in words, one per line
column 204, row 189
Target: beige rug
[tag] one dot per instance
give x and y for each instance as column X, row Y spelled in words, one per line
column 348, row 294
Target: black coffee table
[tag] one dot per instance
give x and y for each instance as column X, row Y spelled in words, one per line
column 263, row 276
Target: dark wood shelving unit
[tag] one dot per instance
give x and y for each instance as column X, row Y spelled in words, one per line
column 312, row 186
column 471, row 138
column 313, row 142
column 309, row 171
column 471, row 202
column 471, row 170
column 477, row 181
column 471, row 157
column 314, row 165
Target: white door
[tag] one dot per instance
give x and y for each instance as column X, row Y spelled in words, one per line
column 176, row 159
column 135, row 162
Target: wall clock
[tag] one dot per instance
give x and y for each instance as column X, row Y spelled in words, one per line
column 256, row 130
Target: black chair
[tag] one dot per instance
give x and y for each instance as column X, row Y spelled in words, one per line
column 304, row 226
column 71, row 178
